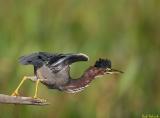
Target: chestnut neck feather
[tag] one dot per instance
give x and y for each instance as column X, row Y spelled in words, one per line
column 76, row 85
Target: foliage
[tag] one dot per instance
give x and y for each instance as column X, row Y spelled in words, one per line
column 127, row 32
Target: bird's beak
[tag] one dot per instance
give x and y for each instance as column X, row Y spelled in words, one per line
column 112, row 71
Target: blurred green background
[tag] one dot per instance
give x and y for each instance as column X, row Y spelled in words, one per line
column 125, row 31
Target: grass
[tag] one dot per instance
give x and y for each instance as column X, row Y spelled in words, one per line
column 127, row 32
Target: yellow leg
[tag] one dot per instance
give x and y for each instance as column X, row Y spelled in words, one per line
column 15, row 93
column 36, row 90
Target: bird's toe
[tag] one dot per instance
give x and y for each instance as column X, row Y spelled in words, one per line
column 15, row 94
column 40, row 99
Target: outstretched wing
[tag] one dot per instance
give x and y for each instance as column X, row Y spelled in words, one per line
column 53, row 60
column 36, row 59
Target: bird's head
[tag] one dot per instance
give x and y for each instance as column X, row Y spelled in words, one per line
column 106, row 66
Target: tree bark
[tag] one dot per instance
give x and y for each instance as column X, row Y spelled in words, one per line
column 6, row 99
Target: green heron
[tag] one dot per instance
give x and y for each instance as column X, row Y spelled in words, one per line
column 53, row 70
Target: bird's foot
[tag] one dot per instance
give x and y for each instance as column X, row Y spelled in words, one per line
column 15, row 93
column 40, row 99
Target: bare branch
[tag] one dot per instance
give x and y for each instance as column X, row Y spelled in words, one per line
column 6, row 99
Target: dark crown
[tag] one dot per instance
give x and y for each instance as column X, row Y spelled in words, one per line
column 103, row 63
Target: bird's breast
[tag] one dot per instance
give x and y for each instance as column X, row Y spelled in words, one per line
column 51, row 80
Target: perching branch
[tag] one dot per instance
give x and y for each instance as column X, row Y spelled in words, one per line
column 6, row 99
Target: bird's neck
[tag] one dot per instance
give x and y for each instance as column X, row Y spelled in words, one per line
column 75, row 85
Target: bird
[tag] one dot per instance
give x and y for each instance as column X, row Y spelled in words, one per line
column 53, row 70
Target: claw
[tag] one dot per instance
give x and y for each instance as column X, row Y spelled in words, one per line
column 41, row 100
column 15, row 94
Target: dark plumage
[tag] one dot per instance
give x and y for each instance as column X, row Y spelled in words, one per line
column 103, row 63
column 53, row 70
column 55, row 62
column 41, row 58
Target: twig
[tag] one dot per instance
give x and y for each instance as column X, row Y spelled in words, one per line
column 6, row 99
